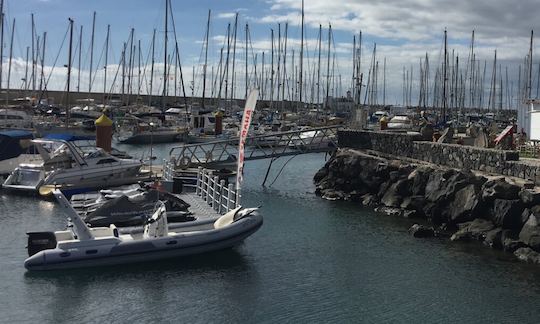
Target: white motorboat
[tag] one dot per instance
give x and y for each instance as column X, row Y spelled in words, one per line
column 67, row 167
column 81, row 246
column 15, row 119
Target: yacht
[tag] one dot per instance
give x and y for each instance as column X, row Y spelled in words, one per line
column 10, row 118
column 67, row 167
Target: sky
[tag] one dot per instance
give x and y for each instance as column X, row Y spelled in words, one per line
column 404, row 31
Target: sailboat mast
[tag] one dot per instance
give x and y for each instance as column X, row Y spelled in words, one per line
column 284, row 67
column 33, row 52
column 234, row 56
column 384, row 82
column 319, row 71
column 106, row 62
column 10, row 59
column 300, row 81
column 246, row 67
column 445, row 78
column 68, row 112
column 92, row 52
column 529, row 85
column 80, row 57
column 205, row 59
column 152, row 67
column 42, row 76
column 328, row 67
column 165, row 57
column 272, row 69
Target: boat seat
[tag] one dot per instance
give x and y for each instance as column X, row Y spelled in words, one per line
column 64, row 235
column 126, row 237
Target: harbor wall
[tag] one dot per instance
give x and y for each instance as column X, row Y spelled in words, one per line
column 444, row 201
column 401, row 145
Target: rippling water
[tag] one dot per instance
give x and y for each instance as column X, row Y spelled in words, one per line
column 312, row 261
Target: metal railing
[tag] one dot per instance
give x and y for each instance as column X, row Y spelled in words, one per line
column 274, row 145
column 216, row 192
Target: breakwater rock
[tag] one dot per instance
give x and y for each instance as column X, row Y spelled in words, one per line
column 459, row 204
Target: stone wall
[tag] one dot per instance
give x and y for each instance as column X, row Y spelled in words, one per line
column 450, row 155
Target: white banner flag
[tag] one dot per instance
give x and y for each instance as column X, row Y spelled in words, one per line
column 251, row 101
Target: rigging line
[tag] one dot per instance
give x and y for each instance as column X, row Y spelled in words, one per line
column 55, row 61
column 122, row 59
column 98, row 65
column 283, row 167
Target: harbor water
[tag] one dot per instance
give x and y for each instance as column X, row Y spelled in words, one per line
column 312, row 261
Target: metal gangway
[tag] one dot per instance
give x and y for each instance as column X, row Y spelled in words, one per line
column 223, row 153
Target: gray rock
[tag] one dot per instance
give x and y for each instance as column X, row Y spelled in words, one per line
column 530, row 233
column 331, row 194
column 421, row 231
column 529, row 197
column 527, row 255
column 391, row 197
column 494, row 238
column 410, row 214
column 476, row 230
column 499, row 189
column 321, row 174
column 465, row 204
column 507, row 213
column 419, row 178
column 369, row 200
column 389, row 211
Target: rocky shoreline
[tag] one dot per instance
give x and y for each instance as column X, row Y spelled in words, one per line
column 458, row 204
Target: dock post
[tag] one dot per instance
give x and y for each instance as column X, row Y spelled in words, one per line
column 199, row 177
column 215, row 192
column 207, row 180
column 221, row 193
column 230, row 197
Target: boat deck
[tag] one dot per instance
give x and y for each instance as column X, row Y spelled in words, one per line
column 199, row 207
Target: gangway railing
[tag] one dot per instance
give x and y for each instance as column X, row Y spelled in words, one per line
column 313, row 140
column 222, row 197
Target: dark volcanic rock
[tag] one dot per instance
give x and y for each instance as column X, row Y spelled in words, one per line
column 530, row 233
column 499, row 189
column 494, row 238
column 369, row 200
column 465, row 204
column 507, row 213
column 394, row 195
column 529, row 198
column 527, row 255
column 321, row 174
column 421, row 231
column 389, row 211
column 476, row 230
column 331, row 194
column 419, row 179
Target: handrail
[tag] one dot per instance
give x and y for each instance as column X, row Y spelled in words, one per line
column 281, row 144
column 216, row 192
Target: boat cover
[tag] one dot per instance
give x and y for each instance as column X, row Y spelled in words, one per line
column 69, row 137
column 133, row 210
column 10, row 146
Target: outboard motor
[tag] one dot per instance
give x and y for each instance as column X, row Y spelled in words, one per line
column 39, row 241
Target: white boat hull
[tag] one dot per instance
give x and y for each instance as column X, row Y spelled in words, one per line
column 114, row 252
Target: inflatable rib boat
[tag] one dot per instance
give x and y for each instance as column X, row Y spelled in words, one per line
column 81, row 246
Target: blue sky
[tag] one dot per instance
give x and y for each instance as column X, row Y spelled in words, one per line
column 403, row 29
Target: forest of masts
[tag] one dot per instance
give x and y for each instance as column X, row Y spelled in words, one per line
column 288, row 71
